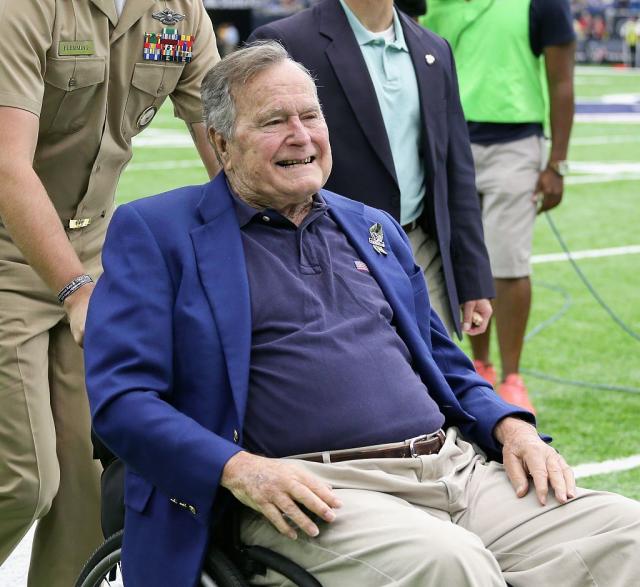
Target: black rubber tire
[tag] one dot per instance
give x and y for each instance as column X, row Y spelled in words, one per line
column 218, row 571
column 106, row 557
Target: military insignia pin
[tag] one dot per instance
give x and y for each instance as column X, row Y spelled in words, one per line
column 376, row 238
column 168, row 17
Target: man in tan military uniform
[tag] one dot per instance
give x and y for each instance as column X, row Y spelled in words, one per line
column 78, row 79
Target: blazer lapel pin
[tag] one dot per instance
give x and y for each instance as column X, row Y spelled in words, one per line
column 430, row 59
column 376, row 238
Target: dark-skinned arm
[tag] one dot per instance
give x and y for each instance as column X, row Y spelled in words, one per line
column 559, row 60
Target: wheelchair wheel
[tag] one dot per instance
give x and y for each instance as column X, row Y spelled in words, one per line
column 103, row 569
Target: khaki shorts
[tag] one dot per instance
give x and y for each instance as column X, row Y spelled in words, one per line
column 506, row 177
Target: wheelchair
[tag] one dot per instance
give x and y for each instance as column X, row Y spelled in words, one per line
column 229, row 563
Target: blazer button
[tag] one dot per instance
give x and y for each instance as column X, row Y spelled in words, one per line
column 236, row 436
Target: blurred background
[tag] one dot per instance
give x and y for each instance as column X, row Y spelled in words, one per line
column 601, row 25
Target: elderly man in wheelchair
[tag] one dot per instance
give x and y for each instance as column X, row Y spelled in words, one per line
column 263, row 339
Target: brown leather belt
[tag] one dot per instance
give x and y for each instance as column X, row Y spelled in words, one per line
column 426, row 444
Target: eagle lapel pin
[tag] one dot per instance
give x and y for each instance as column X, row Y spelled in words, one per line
column 376, row 238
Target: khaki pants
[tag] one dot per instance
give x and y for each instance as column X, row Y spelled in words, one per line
column 46, row 468
column 427, row 255
column 453, row 519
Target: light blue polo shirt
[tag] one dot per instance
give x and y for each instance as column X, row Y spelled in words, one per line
column 394, row 79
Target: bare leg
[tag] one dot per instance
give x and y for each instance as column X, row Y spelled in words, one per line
column 480, row 344
column 511, row 312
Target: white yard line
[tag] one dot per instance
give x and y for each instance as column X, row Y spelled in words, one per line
column 606, row 467
column 586, row 179
column 605, row 167
column 164, row 165
column 586, row 254
column 604, row 140
column 164, row 139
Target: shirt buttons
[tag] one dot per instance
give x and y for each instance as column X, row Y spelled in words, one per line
column 236, row 436
column 265, row 218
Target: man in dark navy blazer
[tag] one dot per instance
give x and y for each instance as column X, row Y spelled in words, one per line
column 399, row 139
column 260, row 316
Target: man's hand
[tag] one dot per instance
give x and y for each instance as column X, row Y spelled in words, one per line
column 76, row 306
column 549, row 189
column 525, row 454
column 475, row 316
column 272, row 487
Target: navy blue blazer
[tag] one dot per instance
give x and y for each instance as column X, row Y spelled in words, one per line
column 321, row 39
column 167, row 351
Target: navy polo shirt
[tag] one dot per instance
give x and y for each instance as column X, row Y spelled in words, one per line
column 328, row 369
column 550, row 24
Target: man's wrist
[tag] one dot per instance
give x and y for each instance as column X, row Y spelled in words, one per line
column 559, row 166
column 73, row 286
column 511, row 425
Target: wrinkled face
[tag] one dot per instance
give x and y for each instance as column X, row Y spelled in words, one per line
column 279, row 154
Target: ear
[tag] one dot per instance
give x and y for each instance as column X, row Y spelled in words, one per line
column 220, row 146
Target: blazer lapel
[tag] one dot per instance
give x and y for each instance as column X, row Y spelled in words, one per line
column 221, row 264
column 349, row 66
column 429, row 79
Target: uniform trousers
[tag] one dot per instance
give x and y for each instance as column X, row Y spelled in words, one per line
column 47, row 472
column 453, row 519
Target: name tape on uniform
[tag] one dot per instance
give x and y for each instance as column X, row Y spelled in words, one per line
column 76, row 48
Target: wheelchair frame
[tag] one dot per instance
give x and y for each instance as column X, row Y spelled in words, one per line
column 229, row 567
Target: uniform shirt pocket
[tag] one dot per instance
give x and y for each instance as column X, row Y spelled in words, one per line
column 150, row 85
column 72, row 85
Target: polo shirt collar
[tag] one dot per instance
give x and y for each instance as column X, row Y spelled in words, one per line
column 365, row 37
column 246, row 213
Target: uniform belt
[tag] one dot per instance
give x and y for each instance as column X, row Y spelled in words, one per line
column 425, row 444
column 410, row 226
column 76, row 223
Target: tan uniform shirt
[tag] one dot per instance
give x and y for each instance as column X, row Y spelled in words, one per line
column 80, row 68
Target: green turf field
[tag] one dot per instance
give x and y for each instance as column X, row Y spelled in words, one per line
column 601, row 210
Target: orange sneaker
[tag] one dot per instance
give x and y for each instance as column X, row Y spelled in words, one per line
column 486, row 371
column 514, row 391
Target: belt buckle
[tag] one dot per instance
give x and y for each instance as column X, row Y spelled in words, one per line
column 412, row 444
column 79, row 223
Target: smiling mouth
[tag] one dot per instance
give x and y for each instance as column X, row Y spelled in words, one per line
column 287, row 163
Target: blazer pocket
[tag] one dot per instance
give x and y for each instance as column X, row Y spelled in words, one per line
column 137, row 492
column 418, row 282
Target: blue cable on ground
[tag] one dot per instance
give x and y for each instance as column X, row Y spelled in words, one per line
column 568, row 302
